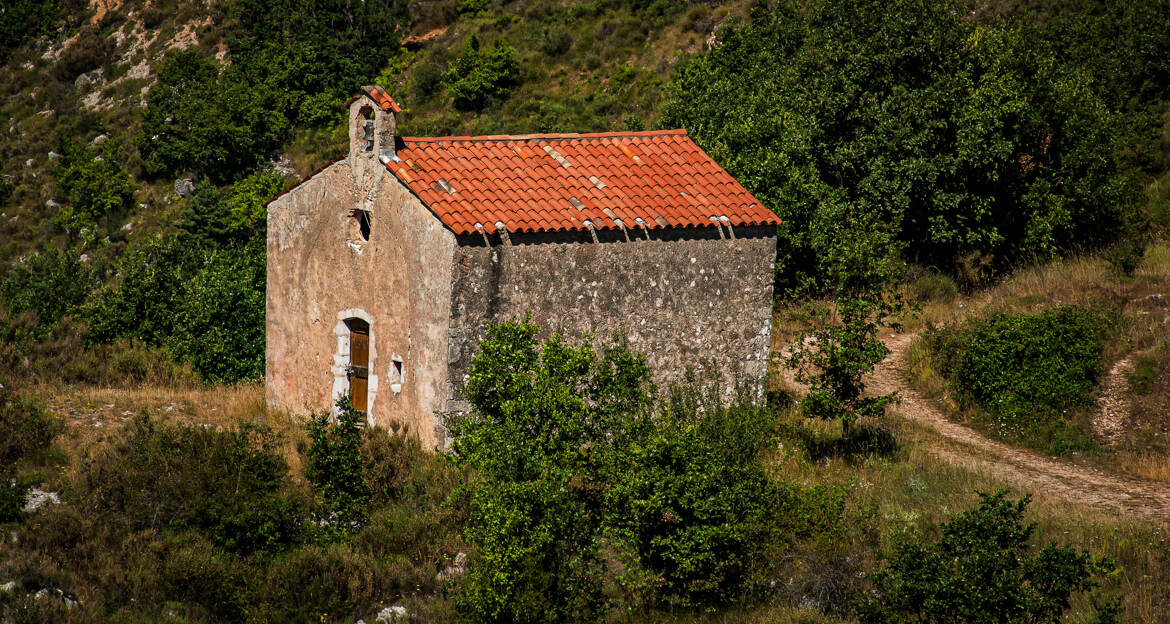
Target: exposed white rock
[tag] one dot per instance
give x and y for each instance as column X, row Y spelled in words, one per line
column 37, row 498
column 392, row 615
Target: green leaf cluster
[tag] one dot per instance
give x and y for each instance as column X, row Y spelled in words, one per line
column 833, row 359
column 337, row 470
column 480, row 76
column 95, row 185
column 1025, row 367
column 291, row 63
column 536, row 514
column 569, row 451
column 228, row 485
column 206, row 306
column 886, row 132
column 692, row 510
column 52, row 284
column 982, row 570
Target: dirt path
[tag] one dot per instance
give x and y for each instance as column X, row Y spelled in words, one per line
column 1024, row 469
column 1112, row 404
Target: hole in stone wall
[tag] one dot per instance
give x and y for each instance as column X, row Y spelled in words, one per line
column 397, row 373
column 368, row 128
column 360, row 222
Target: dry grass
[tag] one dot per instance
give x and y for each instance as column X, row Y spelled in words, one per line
column 917, row 489
column 1139, row 304
column 91, row 413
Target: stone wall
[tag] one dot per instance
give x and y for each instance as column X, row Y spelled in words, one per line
column 321, row 271
column 696, row 299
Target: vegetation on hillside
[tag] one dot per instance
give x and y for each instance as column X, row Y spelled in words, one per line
column 927, row 146
column 684, row 512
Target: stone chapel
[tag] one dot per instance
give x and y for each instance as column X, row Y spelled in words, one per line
column 386, row 266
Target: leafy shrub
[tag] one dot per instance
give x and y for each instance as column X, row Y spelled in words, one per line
column 96, row 187
column 25, row 20
column 556, row 41
column 535, row 512
column 204, row 306
column 228, row 485
column 833, row 359
column 204, row 120
column 479, row 77
column 694, row 510
column 337, row 469
column 219, row 316
column 51, row 283
column 142, row 303
column 982, row 570
column 1028, row 367
column 25, row 429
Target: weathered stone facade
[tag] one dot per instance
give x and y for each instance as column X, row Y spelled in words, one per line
column 353, row 244
column 685, row 298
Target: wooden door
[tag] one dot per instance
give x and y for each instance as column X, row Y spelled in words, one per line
column 359, row 364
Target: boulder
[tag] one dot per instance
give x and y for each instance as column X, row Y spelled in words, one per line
column 184, row 187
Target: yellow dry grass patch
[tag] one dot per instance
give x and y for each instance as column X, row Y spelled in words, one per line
column 92, row 413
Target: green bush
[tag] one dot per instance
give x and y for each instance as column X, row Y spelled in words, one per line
column 96, row 186
column 982, row 570
column 23, row 20
column 479, row 77
column 833, row 359
column 989, row 143
column 219, row 316
column 535, row 507
column 1025, row 366
column 337, row 470
column 25, row 429
column 694, row 511
column 205, row 120
column 228, row 485
column 206, row 307
column 52, row 283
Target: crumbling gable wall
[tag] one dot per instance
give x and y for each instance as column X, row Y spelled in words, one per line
column 321, row 272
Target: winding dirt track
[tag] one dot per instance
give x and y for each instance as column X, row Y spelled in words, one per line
column 1024, row 469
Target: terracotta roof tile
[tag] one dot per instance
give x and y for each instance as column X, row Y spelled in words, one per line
column 514, row 179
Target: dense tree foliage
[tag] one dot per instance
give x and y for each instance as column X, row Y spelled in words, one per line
column 96, row 187
column 535, row 509
column 205, row 306
column 885, row 132
column 292, row 64
column 568, row 448
column 982, row 570
column 480, row 76
column 337, row 470
column 693, row 511
column 52, row 284
column 205, row 119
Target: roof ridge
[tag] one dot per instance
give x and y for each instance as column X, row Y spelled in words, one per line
column 547, row 136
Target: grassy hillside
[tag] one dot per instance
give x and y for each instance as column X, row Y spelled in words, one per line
column 1003, row 167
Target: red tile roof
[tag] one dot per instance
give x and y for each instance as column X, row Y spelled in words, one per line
column 559, row 182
